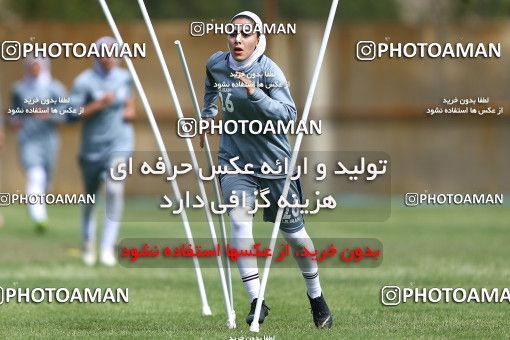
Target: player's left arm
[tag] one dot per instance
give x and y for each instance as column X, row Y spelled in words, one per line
column 129, row 110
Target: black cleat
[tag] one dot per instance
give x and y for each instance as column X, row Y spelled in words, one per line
column 321, row 314
column 263, row 312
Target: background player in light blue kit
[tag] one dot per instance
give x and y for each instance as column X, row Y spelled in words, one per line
column 107, row 138
column 37, row 133
column 258, row 101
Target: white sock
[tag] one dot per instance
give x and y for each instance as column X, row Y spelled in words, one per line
column 308, row 267
column 113, row 213
column 241, row 237
column 36, row 185
column 88, row 225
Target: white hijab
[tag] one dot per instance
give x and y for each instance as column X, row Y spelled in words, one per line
column 259, row 50
column 43, row 80
column 109, row 41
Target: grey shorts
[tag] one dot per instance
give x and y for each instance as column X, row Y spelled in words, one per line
column 96, row 172
column 292, row 220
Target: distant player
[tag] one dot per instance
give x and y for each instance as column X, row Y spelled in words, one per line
column 107, row 138
column 247, row 62
column 37, row 132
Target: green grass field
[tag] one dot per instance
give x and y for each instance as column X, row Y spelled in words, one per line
column 423, row 247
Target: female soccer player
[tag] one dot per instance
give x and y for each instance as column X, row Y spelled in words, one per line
column 263, row 96
column 37, row 133
column 104, row 91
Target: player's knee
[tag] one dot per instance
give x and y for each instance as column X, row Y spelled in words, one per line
column 240, row 223
column 297, row 238
column 114, row 189
column 239, row 228
column 36, row 175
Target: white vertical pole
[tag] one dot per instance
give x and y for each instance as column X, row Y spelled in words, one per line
column 189, row 144
column 206, row 310
column 210, row 163
column 254, row 327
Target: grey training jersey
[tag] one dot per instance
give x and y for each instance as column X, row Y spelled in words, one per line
column 106, row 131
column 37, row 138
column 269, row 102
